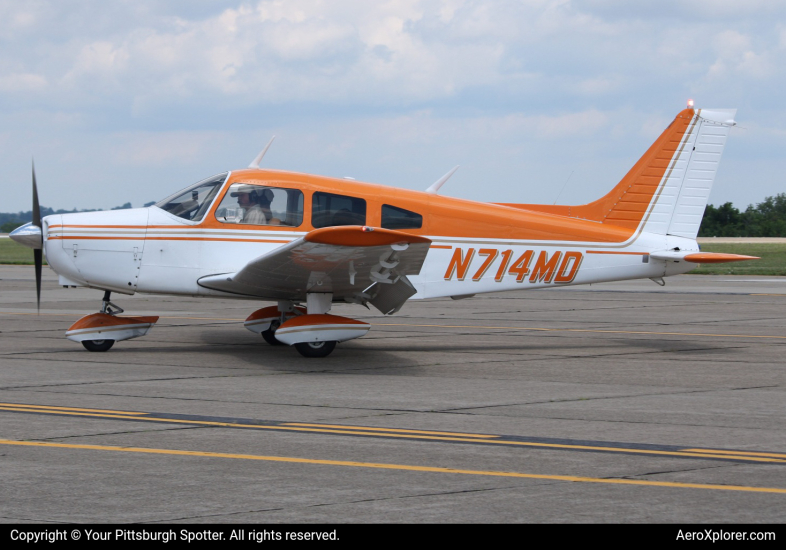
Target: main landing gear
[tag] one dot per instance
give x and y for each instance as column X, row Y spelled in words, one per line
column 312, row 331
column 98, row 345
column 316, row 349
column 99, row 331
column 270, row 334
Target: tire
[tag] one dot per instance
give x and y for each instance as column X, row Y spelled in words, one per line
column 98, row 345
column 270, row 334
column 316, row 349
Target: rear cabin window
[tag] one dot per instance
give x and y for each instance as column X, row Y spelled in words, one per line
column 328, row 210
column 394, row 217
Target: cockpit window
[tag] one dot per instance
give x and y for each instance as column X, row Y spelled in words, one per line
column 328, row 210
column 394, row 217
column 192, row 202
column 245, row 203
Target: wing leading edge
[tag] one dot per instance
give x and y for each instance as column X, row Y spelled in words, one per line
column 355, row 264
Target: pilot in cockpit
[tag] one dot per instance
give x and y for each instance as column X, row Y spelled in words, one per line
column 249, row 200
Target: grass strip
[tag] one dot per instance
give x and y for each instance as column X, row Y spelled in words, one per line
column 14, row 253
column 772, row 262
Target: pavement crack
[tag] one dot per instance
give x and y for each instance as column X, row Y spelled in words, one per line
column 124, row 432
column 677, row 471
column 341, row 503
column 605, row 397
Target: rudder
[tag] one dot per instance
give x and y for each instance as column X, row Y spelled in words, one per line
column 692, row 196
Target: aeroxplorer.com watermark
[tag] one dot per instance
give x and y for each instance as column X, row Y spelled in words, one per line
column 721, row 535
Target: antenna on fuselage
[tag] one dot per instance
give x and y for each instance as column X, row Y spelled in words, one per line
column 258, row 159
column 437, row 184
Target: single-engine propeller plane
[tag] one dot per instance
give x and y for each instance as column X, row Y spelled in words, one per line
column 306, row 242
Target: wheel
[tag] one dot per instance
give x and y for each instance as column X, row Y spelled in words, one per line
column 270, row 334
column 98, row 345
column 315, row 349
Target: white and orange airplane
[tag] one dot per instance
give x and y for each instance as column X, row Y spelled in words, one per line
column 306, row 242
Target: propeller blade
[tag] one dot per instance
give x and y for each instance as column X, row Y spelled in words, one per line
column 38, row 258
column 38, row 252
column 36, row 209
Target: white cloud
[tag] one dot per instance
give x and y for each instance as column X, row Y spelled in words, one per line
column 736, row 55
column 153, row 85
column 99, row 60
column 152, row 149
column 16, row 83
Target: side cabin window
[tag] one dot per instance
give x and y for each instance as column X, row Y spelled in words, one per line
column 394, row 217
column 328, row 210
column 259, row 205
column 193, row 202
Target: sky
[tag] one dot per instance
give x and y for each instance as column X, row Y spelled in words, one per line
column 537, row 101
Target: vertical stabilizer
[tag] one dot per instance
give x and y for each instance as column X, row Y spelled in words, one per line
column 666, row 191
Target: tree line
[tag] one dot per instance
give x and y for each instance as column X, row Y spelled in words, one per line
column 11, row 220
column 766, row 219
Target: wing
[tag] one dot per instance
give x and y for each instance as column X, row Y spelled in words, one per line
column 356, row 264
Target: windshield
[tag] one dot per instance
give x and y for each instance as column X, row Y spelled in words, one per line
column 192, row 203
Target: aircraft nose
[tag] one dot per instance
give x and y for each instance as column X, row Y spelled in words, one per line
column 28, row 235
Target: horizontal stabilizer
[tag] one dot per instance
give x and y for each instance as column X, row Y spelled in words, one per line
column 700, row 257
column 717, row 258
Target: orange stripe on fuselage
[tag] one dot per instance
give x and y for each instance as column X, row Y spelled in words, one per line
column 617, row 252
column 143, row 238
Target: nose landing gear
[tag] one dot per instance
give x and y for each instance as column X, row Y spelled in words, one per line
column 99, row 331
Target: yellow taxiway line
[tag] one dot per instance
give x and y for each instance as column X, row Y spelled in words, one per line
column 419, row 435
column 736, row 453
column 402, row 467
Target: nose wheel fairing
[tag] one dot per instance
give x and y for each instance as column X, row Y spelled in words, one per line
column 101, row 327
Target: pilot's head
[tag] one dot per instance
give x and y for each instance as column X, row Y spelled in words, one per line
column 244, row 198
column 247, row 197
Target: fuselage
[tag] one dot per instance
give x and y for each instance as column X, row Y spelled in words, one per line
column 476, row 247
